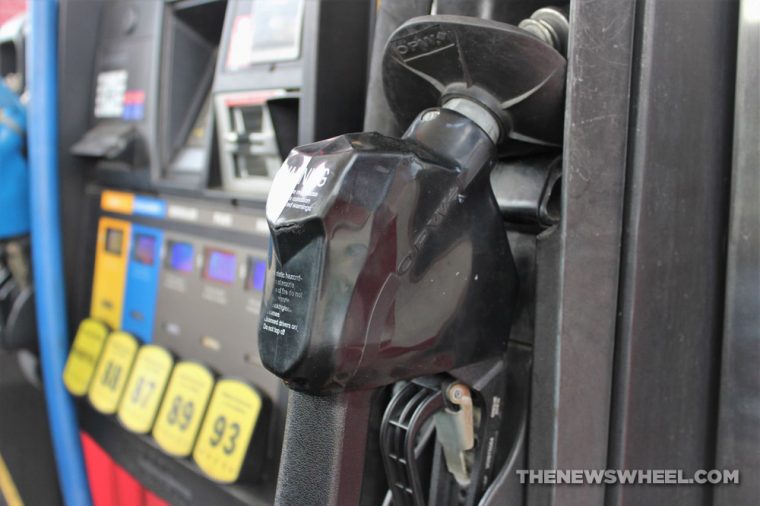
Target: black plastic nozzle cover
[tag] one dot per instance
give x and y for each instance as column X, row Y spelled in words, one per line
column 389, row 260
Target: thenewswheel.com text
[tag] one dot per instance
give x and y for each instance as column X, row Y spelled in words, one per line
column 627, row 476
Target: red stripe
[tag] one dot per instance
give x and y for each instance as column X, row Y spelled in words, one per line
column 129, row 491
column 101, row 473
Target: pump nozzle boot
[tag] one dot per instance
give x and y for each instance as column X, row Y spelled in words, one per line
column 389, row 259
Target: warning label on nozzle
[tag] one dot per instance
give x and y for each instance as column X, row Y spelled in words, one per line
column 296, row 186
column 287, row 290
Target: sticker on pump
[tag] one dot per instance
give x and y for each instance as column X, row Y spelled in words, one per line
column 183, row 407
column 145, row 388
column 112, row 372
column 227, row 430
column 83, row 357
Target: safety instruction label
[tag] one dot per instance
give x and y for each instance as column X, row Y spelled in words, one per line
column 112, row 372
column 181, row 413
column 286, row 310
column 227, row 430
column 109, row 93
column 84, row 355
column 145, row 388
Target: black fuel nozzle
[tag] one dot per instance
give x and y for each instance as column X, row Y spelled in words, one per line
column 389, row 256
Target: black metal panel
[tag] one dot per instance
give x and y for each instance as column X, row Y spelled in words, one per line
column 391, row 14
column 739, row 411
column 578, row 264
column 671, row 293
column 77, row 19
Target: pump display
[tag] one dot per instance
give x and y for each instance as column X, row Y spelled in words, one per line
column 269, row 93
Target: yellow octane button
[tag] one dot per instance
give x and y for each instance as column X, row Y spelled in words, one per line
column 182, row 410
column 84, row 354
column 145, row 388
column 227, row 430
column 112, row 371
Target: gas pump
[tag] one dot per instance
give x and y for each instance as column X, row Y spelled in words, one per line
column 390, row 265
column 486, row 278
column 189, row 100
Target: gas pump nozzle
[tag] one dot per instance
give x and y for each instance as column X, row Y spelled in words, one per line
column 389, row 256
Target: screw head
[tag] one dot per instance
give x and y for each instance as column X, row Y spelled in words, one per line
column 456, row 392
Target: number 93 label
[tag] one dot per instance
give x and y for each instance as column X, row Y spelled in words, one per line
column 145, row 388
column 227, row 430
column 182, row 410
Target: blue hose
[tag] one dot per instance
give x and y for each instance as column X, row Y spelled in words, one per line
column 46, row 249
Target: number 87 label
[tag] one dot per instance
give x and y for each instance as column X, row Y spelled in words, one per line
column 227, row 430
column 182, row 410
column 145, row 388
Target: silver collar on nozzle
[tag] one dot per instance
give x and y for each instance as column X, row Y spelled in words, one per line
column 478, row 114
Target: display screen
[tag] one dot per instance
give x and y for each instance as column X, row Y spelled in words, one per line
column 144, row 249
column 114, row 241
column 257, row 271
column 276, row 24
column 219, row 266
column 270, row 32
column 180, row 256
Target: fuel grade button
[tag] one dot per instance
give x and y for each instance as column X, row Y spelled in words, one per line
column 224, row 450
column 112, row 372
column 84, row 355
column 145, row 388
column 181, row 413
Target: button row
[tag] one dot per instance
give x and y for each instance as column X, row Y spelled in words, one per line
column 181, row 404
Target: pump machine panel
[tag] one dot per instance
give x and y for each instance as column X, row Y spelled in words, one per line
column 194, row 105
column 180, row 281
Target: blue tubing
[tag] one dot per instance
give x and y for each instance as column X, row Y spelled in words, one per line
column 46, row 249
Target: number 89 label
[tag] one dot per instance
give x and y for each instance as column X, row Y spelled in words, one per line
column 181, row 412
column 227, row 430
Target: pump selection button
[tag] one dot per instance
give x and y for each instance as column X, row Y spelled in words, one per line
column 257, row 272
column 182, row 410
column 232, row 418
column 181, row 257
column 112, row 372
column 84, row 354
column 145, row 388
column 219, row 266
